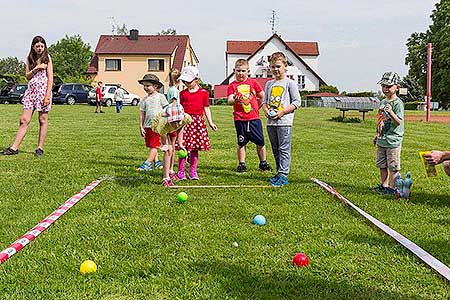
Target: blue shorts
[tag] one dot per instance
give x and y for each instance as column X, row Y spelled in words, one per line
column 249, row 131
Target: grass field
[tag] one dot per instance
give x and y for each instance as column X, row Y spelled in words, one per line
column 148, row 246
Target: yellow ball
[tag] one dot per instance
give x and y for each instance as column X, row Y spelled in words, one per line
column 88, row 267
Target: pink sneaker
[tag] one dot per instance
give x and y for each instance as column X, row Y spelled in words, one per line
column 193, row 175
column 181, row 176
column 173, row 176
column 167, row 182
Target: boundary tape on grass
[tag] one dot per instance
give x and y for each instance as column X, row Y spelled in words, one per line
column 427, row 258
column 47, row 222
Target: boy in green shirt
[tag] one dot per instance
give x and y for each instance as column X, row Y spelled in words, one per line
column 390, row 129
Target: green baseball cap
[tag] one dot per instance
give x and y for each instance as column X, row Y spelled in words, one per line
column 389, row 78
column 151, row 78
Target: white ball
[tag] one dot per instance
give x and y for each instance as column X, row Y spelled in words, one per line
column 235, row 244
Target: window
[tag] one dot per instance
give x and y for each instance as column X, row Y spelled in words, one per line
column 301, row 81
column 113, row 64
column 112, row 90
column 156, row 65
column 67, row 87
column 290, row 77
column 78, row 87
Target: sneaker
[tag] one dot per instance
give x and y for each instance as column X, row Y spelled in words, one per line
column 167, row 182
column 193, row 175
column 39, row 152
column 181, row 175
column 173, row 176
column 241, row 167
column 389, row 191
column 10, row 151
column 264, row 166
column 96, row 112
column 145, row 166
column 379, row 188
column 158, row 164
column 102, row 112
column 273, row 179
column 282, row 180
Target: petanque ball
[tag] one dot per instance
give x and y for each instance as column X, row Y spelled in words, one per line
column 259, row 220
column 300, row 260
column 88, row 267
column 182, row 153
column 182, row 197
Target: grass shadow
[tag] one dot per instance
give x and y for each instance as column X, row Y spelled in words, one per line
column 239, row 282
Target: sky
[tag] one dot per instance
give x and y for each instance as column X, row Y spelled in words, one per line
column 358, row 40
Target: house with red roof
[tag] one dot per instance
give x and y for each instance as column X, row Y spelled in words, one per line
column 302, row 57
column 125, row 59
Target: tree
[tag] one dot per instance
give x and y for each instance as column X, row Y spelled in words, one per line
column 169, row 31
column 12, row 65
column 415, row 89
column 71, row 57
column 438, row 34
column 329, row 89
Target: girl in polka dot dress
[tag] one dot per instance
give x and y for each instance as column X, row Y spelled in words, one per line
column 37, row 97
column 195, row 102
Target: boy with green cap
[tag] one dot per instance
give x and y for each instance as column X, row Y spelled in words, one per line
column 389, row 136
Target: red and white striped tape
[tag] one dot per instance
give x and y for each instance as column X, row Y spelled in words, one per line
column 49, row 220
column 419, row 252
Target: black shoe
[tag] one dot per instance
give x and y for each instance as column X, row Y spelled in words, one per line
column 10, row 151
column 102, row 112
column 39, row 152
column 264, row 166
column 241, row 168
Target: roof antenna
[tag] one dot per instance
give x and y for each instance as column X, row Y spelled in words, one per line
column 114, row 25
column 273, row 20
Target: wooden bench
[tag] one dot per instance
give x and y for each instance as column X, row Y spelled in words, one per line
column 363, row 111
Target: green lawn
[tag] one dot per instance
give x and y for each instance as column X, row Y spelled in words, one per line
column 148, row 246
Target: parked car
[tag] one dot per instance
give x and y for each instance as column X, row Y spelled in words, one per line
column 108, row 91
column 11, row 92
column 16, row 93
column 71, row 93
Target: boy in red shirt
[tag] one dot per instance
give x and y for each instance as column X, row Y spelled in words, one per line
column 245, row 94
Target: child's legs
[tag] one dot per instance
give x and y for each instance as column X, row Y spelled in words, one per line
column 241, row 127
column 152, row 154
column 241, row 153
column 43, row 125
column 193, row 161
column 381, row 163
column 384, row 176
column 256, row 135
column 24, row 122
column 284, row 142
column 261, row 151
column 167, row 158
column 393, row 163
column 172, row 139
column 273, row 137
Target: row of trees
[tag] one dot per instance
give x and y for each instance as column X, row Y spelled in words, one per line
column 438, row 33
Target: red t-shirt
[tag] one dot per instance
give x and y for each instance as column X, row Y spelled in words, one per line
column 248, row 108
column 194, row 103
column 98, row 92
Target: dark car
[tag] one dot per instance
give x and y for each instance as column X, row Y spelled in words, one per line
column 11, row 92
column 71, row 93
column 16, row 93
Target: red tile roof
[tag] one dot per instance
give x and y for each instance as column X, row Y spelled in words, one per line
column 145, row 44
column 249, row 47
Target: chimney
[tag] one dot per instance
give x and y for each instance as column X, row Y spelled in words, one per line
column 134, row 34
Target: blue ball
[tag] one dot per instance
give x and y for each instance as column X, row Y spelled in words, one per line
column 259, row 220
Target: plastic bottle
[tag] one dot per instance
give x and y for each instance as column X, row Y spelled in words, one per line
column 399, row 184
column 407, row 185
